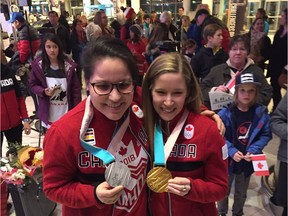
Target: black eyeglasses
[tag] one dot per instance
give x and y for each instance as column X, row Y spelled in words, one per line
column 105, row 88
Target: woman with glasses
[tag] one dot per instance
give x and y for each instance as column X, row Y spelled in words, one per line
column 54, row 80
column 222, row 77
column 96, row 155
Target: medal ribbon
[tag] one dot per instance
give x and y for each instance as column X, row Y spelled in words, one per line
column 103, row 154
column 161, row 152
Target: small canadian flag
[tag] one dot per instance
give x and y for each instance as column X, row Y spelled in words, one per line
column 260, row 165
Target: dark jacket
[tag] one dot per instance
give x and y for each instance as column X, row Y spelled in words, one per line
column 63, row 34
column 37, row 83
column 278, row 55
column 204, row 60
column 77, row 47
column 194, row 32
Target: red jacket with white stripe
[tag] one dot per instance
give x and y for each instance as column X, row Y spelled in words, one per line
column 13, row 108
column 71, row 172
column 198, row 156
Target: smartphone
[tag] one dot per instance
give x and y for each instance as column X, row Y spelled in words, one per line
column 57, row 86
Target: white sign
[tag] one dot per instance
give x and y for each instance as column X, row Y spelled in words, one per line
column 219, row 99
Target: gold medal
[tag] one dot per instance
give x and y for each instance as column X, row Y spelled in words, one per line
column 157, row 179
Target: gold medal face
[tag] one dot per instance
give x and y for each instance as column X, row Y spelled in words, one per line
column 157, row 179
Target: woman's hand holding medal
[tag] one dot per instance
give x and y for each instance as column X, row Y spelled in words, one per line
column 107, row 194
column 179, row 186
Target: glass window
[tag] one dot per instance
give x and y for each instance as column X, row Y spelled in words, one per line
column 161, row 5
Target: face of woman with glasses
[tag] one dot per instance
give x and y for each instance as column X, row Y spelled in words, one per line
column 111, row 87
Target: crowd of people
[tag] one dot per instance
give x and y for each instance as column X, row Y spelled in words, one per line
column 147, row 81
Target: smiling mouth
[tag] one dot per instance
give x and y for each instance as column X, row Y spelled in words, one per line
column 167, row 110
column 113, row 106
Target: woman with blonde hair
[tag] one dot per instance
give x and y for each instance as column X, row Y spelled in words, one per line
column 189, row 170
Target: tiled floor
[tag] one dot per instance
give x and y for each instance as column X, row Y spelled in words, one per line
column 257, row 203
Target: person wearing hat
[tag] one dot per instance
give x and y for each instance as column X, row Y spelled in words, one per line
column 28, row 43
column 247, row 133
column 28, row 37
column 138, row 46
column 130, row 16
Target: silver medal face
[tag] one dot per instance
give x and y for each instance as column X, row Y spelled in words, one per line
column 117, row 174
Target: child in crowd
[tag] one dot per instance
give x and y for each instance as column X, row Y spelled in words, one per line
column 189, row 47
column 137, row 46
column 146, row 25
column 211, row 54
column 54, row 80
column 247, row 133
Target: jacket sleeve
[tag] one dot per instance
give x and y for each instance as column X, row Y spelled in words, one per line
column 223, row 113
column 20, row 99
column 265, row 89
column 278, row 121
column 195, row 65
column 35, row 84
column 123, row 33
column 264, row 136
column 24, row 50
column 60, row 173
column 68, row 48
column 22, row 107
column 207, row 84
column 265, row 47
column 214, row 186
column 75, row 89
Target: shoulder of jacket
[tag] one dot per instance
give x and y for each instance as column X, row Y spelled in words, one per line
column 221, row 67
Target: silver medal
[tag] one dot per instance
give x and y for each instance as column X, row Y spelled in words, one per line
column 117, row 174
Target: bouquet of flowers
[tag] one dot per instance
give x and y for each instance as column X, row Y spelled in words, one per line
column 22, row 163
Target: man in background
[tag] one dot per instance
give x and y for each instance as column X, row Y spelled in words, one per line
column 60, row 30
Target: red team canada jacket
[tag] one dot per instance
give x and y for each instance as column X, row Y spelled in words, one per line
column 71, row 173
column 198, row 156
column 13, row 108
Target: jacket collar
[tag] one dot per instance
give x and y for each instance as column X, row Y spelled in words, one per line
column 249, row 62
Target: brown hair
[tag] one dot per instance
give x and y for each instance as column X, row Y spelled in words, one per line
column 210, row 30
column 253, row 102
column 168, row 63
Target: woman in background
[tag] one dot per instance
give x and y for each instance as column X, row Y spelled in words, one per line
column 101, row 19
column 159, row 34
column 54, row 80
column 137, row 46
column 260, row 43
column 278, row 57
column 78, row 41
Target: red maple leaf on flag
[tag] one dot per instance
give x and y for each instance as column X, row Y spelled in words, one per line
column 135, row 109
column 189, row 128
column 123, row 151
column 260, row 165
